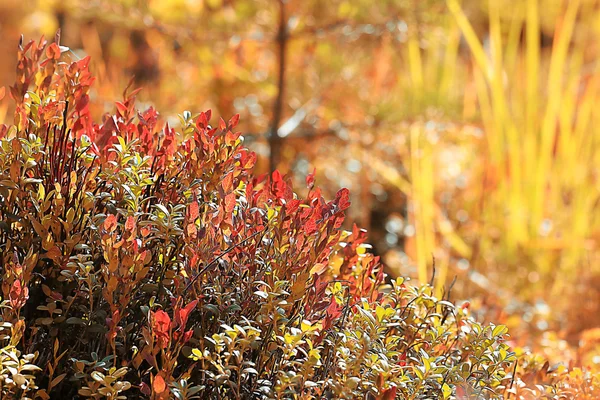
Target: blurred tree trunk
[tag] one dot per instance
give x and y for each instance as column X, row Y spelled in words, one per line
column 275, row 141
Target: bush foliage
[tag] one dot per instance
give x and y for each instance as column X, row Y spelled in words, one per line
column 143, row 262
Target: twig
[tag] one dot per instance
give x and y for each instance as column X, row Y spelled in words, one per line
column 220, row 256
column 432, row 282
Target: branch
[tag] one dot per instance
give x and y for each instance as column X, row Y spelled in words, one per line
column 216, row 259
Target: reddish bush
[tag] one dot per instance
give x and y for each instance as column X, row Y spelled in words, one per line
column 126, row 246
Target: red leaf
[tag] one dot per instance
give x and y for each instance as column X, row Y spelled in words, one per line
column 402, row 360
column 149, row 117
column 161, row 323
column 222, row 124
column 18, row 294
column 277, row 178
column 292, row 206
column 234, row 121
column 305, row 212
column 121, row 107
column 342, row 199
column 82, row 104
column 334, row 310
column 280, row 188
column 337, row 223
column 300, row 242
column 105, row 135
column 184, row 313
column 248, row 160
column 84, row 63
column 161, row 320
column 202, row 122
column 145, row 389
column 311, row 226
column 169, row 144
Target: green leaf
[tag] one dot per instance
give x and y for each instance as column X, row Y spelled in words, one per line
column 75, row 321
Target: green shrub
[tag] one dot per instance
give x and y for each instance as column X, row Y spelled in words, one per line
column 144, row 262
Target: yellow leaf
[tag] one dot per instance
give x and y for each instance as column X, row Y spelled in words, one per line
column 380, row 313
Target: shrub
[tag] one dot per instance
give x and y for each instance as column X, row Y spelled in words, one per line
column 141, row 262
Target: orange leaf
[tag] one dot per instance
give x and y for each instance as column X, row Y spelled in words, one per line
column 228, row 183
column 53, row 51
column 229, row 202
column 130, row 224
column 159, row 385
column 318, row 268
column 192, row 231
column 193, row 211
column 110, row 223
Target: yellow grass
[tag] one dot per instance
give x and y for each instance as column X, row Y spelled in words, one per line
column 540, row 147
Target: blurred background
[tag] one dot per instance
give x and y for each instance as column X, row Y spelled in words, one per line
column 465, row 130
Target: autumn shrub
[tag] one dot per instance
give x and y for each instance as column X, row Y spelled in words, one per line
column 143, row 262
